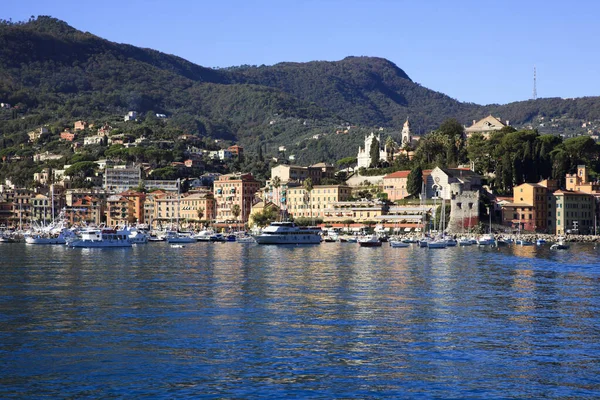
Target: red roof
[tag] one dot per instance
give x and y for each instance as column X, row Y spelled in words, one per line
column 397, row 174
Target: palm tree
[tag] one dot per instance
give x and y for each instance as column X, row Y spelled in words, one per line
column 236, row 210
column 276, row 183
column 390, row 145
column 308, row 187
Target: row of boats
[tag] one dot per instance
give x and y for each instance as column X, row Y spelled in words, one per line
column 277, row 233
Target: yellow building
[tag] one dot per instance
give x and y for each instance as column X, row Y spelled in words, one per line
column 529, row 209
column 580, row 182
column 574, row 212
column 302, row 204
column 358, row 211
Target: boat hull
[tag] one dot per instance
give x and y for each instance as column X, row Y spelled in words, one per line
column 41, row 240
column 370, row 244
column 88, row 244
column 302, row 238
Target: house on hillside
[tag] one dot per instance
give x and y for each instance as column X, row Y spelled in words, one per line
column 485, row 126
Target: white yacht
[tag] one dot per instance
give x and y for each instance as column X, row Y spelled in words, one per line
column 100, row 238
column 180, row 237
column 288, row 233
column 49, row 238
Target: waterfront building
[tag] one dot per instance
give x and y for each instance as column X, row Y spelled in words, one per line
column 119, row 211
column 529, row 209
column 357, row 210
column 318, row 202
column 574, row 212
column 85, row 210
column 138, row 199
column 73, row 195
column 234, row 189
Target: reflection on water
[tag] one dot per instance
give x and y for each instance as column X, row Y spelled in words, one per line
column 335, row 320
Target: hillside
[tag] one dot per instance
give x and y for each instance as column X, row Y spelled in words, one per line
column 54, row 73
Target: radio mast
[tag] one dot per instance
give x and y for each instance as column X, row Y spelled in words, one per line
column 534, row 84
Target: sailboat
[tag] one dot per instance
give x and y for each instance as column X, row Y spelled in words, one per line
column 176, row 236
column 55, row 233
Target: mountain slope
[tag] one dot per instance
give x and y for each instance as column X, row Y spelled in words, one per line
column 54, row 72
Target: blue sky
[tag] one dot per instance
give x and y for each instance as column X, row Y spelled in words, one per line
column 474, row 51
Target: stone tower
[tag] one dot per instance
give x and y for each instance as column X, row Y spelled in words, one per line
column 464, row 209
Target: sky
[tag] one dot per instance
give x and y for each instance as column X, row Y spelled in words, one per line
column 482, row 51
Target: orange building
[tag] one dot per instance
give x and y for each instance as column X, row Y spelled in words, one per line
column 236, row 150
column 231, row 190
column 138, row 199
column 529, row 209
column 85, row 210
column 119, row 211
column 67, row 135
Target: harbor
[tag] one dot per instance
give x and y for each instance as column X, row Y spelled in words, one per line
column 223, row 320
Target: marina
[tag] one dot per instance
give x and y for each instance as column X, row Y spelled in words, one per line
column 332, row 320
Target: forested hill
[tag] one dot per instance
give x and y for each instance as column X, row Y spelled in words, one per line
column 56, row 74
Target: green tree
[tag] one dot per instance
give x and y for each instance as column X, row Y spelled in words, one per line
column 236, row 210
column 307, row 185
column 414, row 182
column 374, row 152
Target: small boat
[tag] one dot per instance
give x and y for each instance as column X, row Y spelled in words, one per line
column 47, row 238
column 204, row 235
column 524, row 242
column 179, row 237
column 560, row 244
column 464, row 242
column 437, row 244
column 245, row 239
column 177, row 246
column 369, row 241
column 486, row 240
column 399, row 243
column 450, row 242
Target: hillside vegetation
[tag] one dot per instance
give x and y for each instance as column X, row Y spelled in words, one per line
column 56, row 74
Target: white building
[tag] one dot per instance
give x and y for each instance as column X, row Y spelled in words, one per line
column 364, row 153
column 131, row 116
column 121, row 178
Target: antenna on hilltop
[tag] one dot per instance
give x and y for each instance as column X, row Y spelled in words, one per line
column 534, row 84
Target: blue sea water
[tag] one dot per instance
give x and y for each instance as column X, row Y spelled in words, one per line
column 334, row 320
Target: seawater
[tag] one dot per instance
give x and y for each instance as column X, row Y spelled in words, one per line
column 227, row 320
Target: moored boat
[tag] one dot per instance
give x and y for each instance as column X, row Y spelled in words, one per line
column 100, row 238
column 369, row 241
column 42, row 238
column 179, row 237
column 399, row 243
column 486, row 240
column 287, row 233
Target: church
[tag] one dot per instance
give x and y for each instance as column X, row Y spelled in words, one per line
column 385, row 154
column 364, row 153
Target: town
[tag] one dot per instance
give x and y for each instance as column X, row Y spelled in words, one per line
column 120, row 194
